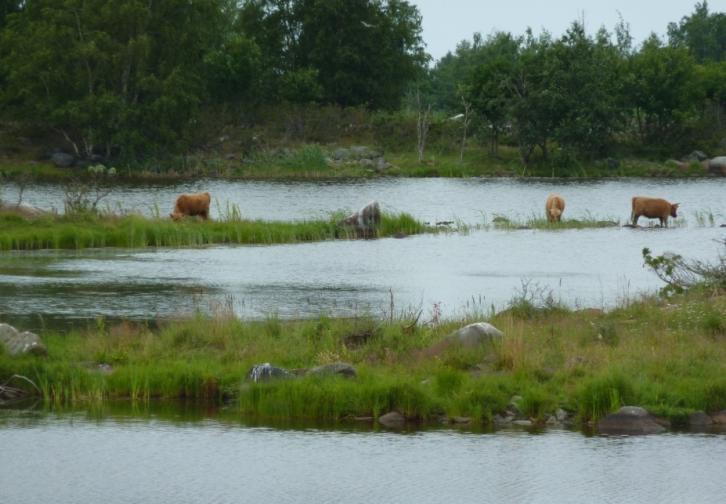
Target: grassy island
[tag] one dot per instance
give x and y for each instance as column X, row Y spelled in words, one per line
column 135, row 231
column 667, row 356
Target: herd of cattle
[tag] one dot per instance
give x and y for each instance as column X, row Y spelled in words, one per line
column 190, row 205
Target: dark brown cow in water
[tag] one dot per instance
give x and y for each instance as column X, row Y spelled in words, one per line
column 192, row 205
column 653, row 208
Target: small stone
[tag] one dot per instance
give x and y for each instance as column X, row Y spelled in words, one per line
column 699, row 419
column 460, row 420
column 392, row 420
column 336, row 368
column 561, row 415
column 631, row 420
column 523, row 423
column 265, row 372
column 62, row 160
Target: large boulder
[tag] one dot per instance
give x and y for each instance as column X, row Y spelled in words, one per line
column 631, row 420
column 62, row 160
column 717, row 166
column 335, row 369
column 699, row 420
column 366, row 220
column 475, row 334
column 266, row 372
column 20, row 343
column 719, row 418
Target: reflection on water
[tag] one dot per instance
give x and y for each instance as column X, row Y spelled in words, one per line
column 70, row 459
column 475, row 272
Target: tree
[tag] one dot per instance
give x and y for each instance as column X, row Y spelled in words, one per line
column 345, row 52
column 489, row 84
column 664, row 94
column 703, row 33
column 124, row 75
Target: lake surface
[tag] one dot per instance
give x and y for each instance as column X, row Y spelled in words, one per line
column 74, row 459
column 469, row 200
column 462, row 273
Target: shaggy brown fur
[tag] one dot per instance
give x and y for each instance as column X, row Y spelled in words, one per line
column 653, row 208
column 554, row 207
column 192, row 204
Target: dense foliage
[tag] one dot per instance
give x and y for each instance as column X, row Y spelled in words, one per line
column 131, row 80
column 585, row 95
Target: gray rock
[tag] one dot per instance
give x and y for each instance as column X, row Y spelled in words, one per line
column 631, row 420
column 475, row 334
column 366, row 163
column 717, row 166
column 62, row 160
column 382, row 164
column 696, row 155
column 363, row 152
column 502, row 420
column 523, row 423
column 341, row 154
column 719, row 418
column 613, row 163
column 20, row 343
column 366, row 220
column 392, row 420
column 266, row 372
column 336, row 368
column 460, row 420
column 699, row 419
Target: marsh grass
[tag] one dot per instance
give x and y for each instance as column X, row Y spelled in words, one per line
column 539, row 222
column 134, row 231
column 668, row 357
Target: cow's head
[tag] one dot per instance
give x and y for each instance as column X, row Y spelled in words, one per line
column 674, row 208
column 555, row 213
column 176, row 215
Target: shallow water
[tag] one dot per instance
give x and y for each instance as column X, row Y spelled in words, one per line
column 70, row 459
column 469, row 200
column 460, row 273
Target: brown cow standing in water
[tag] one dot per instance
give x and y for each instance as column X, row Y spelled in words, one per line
column 554, row 207
column 191, row 205
column 653, row 208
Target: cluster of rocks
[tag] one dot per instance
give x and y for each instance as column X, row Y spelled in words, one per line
column 358, row 155
column 513, row 416
column 634, row 420
column 17, row 343
column 714, row 166
column 266, row 372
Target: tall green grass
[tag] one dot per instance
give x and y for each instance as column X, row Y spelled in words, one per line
column 91, row 231
column 666, row 357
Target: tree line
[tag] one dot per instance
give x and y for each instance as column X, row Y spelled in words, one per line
column 128, row 79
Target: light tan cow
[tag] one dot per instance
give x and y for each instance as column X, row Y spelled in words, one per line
column 191, row 205
column 653, row 208
column 554, row 207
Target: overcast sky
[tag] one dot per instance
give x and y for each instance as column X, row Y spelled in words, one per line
column 446, row 22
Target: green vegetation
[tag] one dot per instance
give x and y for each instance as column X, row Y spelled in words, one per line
column 133, row 231
column 668, row 357
column 536, row 222
column 268, row 88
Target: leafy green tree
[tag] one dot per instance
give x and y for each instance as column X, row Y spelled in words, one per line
column 587, row 81
column 488, row 85
column 703, row 33
column 122, row 75
column 664, row 94
column 345, row 52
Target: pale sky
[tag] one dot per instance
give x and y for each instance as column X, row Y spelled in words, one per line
column 447, row 22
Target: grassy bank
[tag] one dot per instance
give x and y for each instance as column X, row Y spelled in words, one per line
column 308, row 162
column 93, row 231
column 668, row 357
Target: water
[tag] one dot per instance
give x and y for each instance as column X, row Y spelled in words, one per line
column 70, row 459
column 469, row 200
column 461, row 273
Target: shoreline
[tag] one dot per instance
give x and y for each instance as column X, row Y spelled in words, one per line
column 574, row 366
